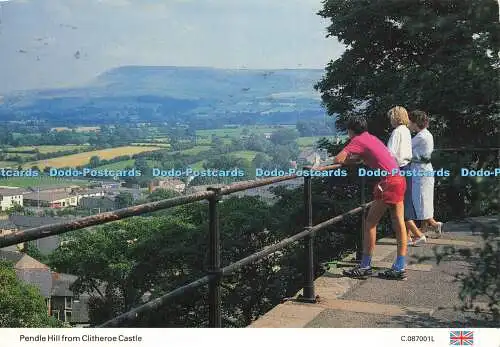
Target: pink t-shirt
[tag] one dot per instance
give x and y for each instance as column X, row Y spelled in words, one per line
column 373, row 152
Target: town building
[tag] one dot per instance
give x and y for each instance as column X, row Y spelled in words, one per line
column 167, row 184
column 60, row 197
column 308, row 157
column 97, row 204
column 10, row 197
column 62, row 303
column 16, row 223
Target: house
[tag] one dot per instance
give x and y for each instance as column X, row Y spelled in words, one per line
column 45, row 245
column 97, row 204
column 323, row 153
column 268, row 135
column 167, row 184
column 59, row 198
column 88, row 193
column 61, row 302
column 9, row 197
column 6, row 228
column 50, row 199
column 308, row 157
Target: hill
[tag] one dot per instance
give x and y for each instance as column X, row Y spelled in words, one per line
column 199, row 95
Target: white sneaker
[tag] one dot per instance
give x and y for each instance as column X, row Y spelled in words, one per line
column 439, row 228
column 410, row 242
column 420, row 241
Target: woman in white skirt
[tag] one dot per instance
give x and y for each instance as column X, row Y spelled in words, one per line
column 400, row 146
column 423, row 185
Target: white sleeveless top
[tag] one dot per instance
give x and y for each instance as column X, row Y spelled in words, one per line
column 400, row 145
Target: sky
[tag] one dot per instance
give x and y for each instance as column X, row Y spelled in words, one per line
column 60, row 43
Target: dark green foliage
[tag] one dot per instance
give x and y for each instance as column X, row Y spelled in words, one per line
column 124, row 199
column 438, row 56
column 21, row 304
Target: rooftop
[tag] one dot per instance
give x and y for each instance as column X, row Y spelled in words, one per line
column 11, row 191
column 47, row 196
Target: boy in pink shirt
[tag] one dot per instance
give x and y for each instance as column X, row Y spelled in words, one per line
column 388, row 194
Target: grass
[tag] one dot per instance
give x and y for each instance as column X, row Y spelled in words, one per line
column 152, row 144
column 46, row 149
column 25, row 182
column 237, row 132
column 195, row 150
column 308, row 141
column 6, row 164
column 10, row 156
column 247, row 155
column 87, row 129
column 79, row 129
column 203, row 141
column 119, row 165
column 84, row 157
column 198, row 165
column 161, row 139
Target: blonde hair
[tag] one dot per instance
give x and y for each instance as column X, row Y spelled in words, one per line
column 398, row 115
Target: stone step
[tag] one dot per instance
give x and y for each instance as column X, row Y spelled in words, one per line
column 441, row 241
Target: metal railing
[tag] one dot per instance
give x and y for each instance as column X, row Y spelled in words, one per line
column 215, row 272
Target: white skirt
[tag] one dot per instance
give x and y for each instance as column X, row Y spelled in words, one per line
column 422, row 192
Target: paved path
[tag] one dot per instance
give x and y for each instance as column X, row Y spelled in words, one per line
column 427, row 299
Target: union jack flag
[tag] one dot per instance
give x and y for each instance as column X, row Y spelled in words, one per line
column 461, row 338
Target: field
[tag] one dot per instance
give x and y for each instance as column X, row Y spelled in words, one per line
column 152, row 144
column 309, row 141
column 119, row 165
column 41, row 181
column 198, row 165
column 83, row 158
column 247, row 155
column 237, row 132
column 46, row 149
column 79, row 129
column 10, row 156
column 6, row 164
column 195, row 150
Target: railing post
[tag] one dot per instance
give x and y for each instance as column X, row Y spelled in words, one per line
column 214, row 293
column 359, row 248
column 309, row 295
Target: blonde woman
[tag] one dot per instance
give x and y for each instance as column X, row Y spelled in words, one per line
column 400, row 147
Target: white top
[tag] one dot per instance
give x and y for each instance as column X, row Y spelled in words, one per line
column 423, row 145
column 400, row 145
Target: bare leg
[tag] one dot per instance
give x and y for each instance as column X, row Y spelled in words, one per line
column 430, row 223
column 377, row 210
column 398, row 224
column 413, row 229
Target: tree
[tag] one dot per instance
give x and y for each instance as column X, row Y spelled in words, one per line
column 161, row 194
column 124, row 199
column 304, row 128
column 33, row 251
column 284, row 136
column 21, row 304
column 115, row 261
column 259, row 160
column 438, row 56
column 15, row 209
column 94, row 161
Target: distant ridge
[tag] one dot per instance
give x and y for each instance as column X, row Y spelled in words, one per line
column 181, row 91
